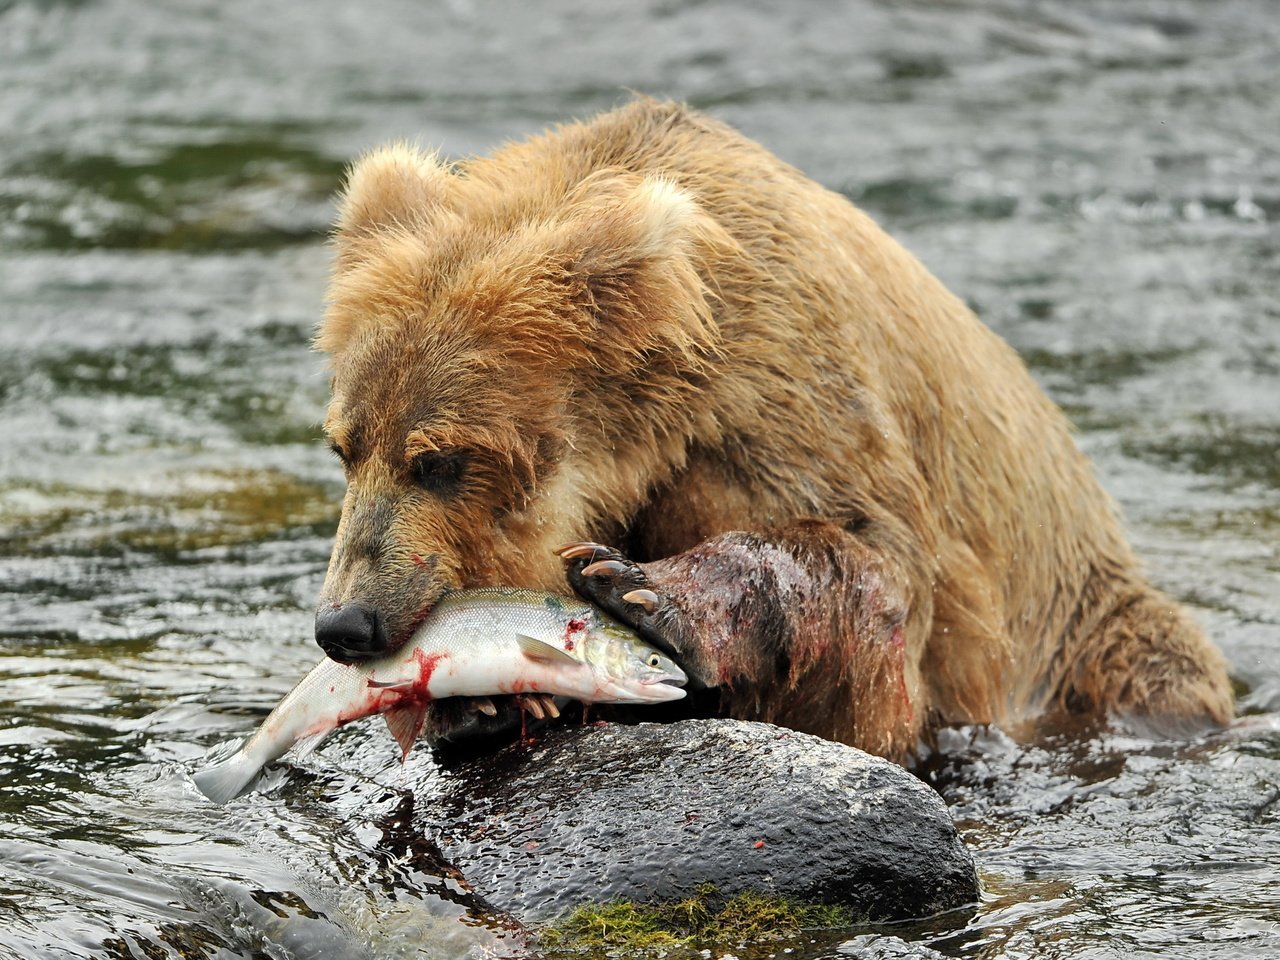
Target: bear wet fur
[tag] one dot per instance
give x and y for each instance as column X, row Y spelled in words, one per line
column 856, row 512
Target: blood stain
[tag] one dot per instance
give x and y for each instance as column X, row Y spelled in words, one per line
column 575, row 625
column 427, row 663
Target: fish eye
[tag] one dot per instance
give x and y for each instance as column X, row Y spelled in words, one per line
column 655, row 660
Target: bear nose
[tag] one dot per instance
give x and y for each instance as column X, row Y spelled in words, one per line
column 350, row 633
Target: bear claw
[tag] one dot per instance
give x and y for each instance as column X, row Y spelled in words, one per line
column 580, row 548
column 603, row 568
column 645, row 598
column 620, row 587
column 540, row 705
column 532, row 704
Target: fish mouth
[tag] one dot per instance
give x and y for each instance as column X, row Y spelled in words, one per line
column 660, row 685
column 654, row 691
column 680, row 681
column 670, row 691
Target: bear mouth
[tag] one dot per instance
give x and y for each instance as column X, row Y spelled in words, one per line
column 419, row 616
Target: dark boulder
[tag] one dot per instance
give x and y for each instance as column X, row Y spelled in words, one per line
column 650, row 812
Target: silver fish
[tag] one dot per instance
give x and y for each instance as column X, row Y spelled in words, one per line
column 473, row 643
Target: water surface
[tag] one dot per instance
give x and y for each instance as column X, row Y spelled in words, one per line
column 1100, row 180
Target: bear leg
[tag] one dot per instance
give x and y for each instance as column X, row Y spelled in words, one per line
column 1147, row 663
column 804, row 625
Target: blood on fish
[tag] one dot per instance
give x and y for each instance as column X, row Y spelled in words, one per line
column 427, row 663
column 575, row 625
column 375, row 701
column 381, row 699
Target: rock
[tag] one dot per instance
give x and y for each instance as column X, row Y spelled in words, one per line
column 650, row 812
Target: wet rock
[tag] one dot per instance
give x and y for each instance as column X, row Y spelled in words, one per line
column 650, row 812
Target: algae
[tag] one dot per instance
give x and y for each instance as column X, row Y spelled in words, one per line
column 623, row 928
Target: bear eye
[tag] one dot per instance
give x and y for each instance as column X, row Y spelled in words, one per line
column 438, row 471
column 338, row 452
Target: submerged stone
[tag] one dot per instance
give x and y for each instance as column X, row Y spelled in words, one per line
column 656, row 813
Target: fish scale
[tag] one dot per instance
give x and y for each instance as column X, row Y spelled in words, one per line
column 473, row 643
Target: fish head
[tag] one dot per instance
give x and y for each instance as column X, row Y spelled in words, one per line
column 630, row 670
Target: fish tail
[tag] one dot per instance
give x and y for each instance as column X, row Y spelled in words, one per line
column 225, row 781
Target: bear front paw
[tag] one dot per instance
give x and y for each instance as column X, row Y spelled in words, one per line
column 621, row 588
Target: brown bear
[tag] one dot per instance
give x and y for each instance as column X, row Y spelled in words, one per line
column 835, row 495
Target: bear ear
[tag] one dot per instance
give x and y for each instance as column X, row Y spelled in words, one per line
column 397, row 185
column 640, row 247
column 622, row 221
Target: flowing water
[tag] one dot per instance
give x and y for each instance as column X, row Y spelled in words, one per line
column 1101, row 180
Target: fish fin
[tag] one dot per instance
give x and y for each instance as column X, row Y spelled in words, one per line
column 223, row 782
column 307, row 744
column 405, row 723
column 388, row 684
column 536, row 649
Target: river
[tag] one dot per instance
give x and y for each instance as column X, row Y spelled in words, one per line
column 1100, row 180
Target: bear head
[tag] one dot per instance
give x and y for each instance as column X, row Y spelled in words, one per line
column 512, row 347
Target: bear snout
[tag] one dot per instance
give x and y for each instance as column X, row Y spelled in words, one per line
column 351, row 632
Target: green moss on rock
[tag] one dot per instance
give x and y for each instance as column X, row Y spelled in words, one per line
column 704, row 920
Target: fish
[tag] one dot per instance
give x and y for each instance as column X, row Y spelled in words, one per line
column 473, row 643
